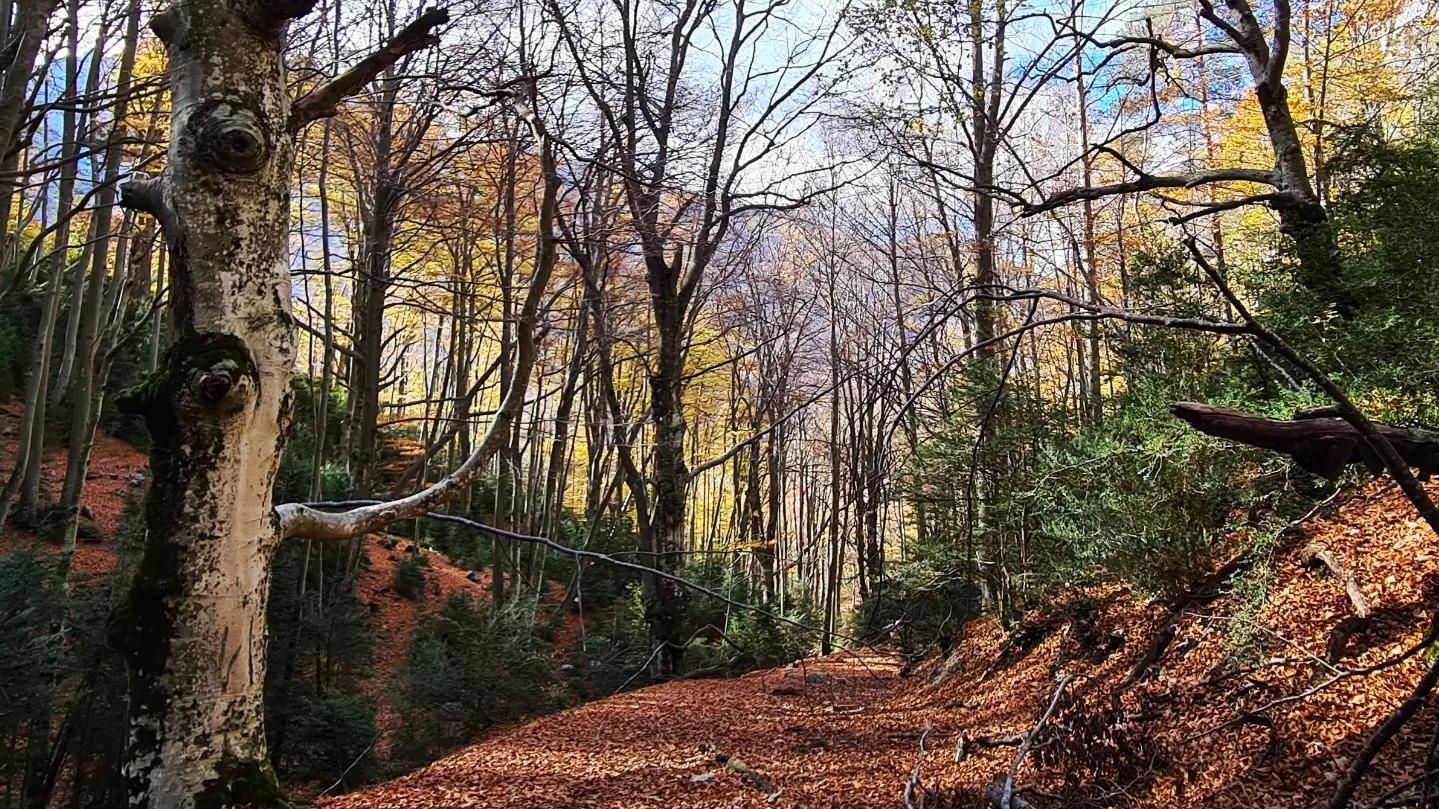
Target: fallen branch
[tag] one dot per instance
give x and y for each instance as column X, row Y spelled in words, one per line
column 746, row 772
column 915, row 795
column 1317, row 554
column 1320, row 444
column 1381, row 737
column 1006, row 793
column 967, row 744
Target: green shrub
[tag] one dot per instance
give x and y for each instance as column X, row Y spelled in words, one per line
column 320, row 644
column 765, row 641
column 410, row 577
column 332, row 739
column 297, row 464
column 19, row 319
column 615, row 649
column 468, row 669
column 923, row 603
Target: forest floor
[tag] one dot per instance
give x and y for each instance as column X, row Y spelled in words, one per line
column 1211, row 723
column 117, row 477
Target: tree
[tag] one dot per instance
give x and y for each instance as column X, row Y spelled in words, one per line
column 219, row 406
column 1288, row 187
column 682, row 206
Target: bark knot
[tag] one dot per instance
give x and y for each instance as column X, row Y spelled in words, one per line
column 230, row 135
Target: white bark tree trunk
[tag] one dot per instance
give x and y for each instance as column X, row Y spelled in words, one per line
column 218, row 407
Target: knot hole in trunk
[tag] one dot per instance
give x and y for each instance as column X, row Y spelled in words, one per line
column 230, row 135
column 203, row 377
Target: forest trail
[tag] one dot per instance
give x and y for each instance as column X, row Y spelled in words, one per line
column 844, row 731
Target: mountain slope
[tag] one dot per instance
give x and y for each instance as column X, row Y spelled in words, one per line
column 1199, row 729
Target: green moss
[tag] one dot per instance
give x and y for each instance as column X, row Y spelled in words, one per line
column 246, row 783
column 195, row 352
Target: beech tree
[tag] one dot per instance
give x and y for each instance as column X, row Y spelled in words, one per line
column 219, row 405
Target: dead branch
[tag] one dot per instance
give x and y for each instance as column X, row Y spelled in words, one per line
column 1381, row 737
column 324, row 101
column 915, row 795
column 967, row 743
column 1006, row 794
column 1321, row 445
column 1317, row 554
column 746, row 772
column 1149, row 182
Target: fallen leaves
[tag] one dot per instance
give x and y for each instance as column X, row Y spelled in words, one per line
column 847, row 737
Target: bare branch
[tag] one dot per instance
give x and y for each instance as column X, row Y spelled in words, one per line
column 324, row 101
column 1150, row 182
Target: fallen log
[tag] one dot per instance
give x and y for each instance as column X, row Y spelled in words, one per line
column 967, row 743
column 1316, row 441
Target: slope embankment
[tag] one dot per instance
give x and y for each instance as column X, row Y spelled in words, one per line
column 1160, row 707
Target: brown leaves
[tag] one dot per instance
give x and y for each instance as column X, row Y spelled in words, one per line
column 1157, row 744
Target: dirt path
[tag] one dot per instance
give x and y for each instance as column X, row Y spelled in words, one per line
column 842, row 730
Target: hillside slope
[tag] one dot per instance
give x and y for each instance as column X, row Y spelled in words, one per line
column 1197, row 730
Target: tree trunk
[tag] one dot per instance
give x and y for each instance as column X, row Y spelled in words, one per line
column 87, row 379
column 1318, row 442
column 218, row 409
column 24, row 34
column 671, row 474
column 24, row 482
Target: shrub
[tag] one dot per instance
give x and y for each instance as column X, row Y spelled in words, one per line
column 468, row 669
column 297, row 464
column 765, row 641
column 19, row 319
column 332, row 739
column 923, row 603
column 616, row 648
column 410, row 577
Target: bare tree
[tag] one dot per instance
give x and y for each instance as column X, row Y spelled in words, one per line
column 684, row 201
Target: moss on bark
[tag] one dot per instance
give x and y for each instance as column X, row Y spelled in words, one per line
column 188, row 436
column 242, row 784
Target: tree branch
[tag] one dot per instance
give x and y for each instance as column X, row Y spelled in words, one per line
column 1149, row 182
column 147, row 195
column 324, row 101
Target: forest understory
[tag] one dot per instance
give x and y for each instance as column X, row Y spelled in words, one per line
column 1185, row 728
column 1160, row 707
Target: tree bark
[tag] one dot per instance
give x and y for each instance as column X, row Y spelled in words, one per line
column 218, row 409
column 1323, row 446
